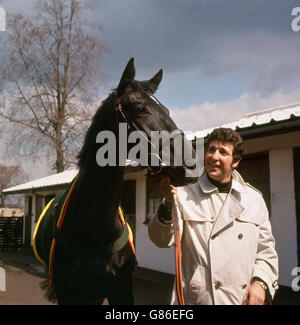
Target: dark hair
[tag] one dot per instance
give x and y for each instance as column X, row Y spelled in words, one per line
column 228, row 135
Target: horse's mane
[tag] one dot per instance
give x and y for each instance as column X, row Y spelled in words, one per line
column 99, row 122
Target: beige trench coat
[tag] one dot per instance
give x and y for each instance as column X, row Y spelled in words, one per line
column 226, row 241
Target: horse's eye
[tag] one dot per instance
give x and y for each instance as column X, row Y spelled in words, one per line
column 140, row 109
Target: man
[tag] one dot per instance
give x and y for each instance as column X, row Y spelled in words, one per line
column 228, row 251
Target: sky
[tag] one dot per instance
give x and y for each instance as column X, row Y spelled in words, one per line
column 221, row 58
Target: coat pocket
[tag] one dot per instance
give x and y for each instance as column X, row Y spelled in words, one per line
column 198, row 289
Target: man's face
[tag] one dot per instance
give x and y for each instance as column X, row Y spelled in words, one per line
column 219, row 161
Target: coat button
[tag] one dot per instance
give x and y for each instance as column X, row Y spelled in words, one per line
column 240, row 236
column 275, row 284
column 217, row 285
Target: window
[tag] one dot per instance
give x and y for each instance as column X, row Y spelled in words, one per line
column 154, row 198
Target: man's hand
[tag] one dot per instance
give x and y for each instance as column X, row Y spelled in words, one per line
column 255, row 295
column 167, row 190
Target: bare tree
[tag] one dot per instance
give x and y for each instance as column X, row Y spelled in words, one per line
column 51, row 73
column 9, row 176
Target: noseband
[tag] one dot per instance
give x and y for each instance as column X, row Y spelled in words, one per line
column 134, row 127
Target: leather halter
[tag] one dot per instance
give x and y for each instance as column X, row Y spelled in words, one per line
column 133, row 126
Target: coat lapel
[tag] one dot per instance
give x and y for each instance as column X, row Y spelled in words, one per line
column 230, row 210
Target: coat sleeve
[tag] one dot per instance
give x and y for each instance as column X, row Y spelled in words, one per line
column 162, row 235
column 266, row 263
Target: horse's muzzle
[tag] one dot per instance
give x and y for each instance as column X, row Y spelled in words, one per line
column 177, row 174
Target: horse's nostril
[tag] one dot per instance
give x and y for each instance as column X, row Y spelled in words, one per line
column 154, row 163
column 155, row 169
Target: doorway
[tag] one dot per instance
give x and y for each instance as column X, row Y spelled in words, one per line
column 255, row 170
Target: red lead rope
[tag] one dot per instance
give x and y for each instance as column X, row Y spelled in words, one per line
column 178, row 259
column 179, row 271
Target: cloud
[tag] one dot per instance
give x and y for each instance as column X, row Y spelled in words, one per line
column 271, row 64
column 212, row 36
column 213, row 114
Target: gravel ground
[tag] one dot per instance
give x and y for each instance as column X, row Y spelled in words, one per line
column 24, row 274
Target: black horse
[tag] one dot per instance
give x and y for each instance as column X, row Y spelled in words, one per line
column 85, row 268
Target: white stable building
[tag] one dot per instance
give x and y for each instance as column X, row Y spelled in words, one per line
column 271, row 163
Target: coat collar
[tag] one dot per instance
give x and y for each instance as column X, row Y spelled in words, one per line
column 232, row 207
column 238, row 183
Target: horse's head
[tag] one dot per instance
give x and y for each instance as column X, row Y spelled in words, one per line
column 150, row 121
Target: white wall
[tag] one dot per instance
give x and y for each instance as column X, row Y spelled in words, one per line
column 283, row 205
column 283, row 209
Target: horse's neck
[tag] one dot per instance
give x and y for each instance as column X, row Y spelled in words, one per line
column 101, row 183
column 97, row 194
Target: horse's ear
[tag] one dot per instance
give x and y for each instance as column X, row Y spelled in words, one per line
column 127, row 77
column 154, row 82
